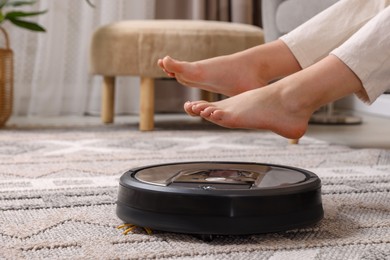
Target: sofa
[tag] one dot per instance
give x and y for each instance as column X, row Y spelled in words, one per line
column 282, row 16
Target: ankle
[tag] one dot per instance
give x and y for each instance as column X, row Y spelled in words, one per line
column 293, row 101
column 292, row 113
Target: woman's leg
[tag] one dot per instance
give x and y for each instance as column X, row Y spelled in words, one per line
column 253, row 68
column 285, row 106
column 236, row 73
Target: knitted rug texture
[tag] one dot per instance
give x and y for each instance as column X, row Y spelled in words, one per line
column 58, row 189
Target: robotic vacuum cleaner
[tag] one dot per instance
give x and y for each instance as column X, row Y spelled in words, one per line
column 219, row 198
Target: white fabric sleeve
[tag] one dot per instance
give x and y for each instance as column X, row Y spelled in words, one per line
column 367, row 54
column 315, row 39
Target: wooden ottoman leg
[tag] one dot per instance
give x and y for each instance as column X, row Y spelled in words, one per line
column 146, row 104
column 293, row 141
column 108, row 99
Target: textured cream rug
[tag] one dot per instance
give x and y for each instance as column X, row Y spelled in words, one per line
column 58, row 189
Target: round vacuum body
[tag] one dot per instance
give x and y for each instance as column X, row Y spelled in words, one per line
column 219, row 198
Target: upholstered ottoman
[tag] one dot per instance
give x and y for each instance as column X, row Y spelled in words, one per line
column 132, row 48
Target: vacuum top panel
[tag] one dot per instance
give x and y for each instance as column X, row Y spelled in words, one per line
column 220, row 175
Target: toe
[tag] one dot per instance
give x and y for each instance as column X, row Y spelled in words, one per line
column 160, row 63
column 172, row 65
column 192, row 107
column 199, row 106
column 170, row 74
column 208, row 112
column 217, row 115
column 188, row 108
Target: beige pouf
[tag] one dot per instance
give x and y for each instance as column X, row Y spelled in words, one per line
column 132, row 48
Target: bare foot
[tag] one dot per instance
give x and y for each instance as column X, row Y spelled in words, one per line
column 255, row 109
column 236, row 73
column 285, row 106
column 228, row 75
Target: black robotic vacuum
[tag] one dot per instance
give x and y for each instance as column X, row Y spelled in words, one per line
column 219, row 198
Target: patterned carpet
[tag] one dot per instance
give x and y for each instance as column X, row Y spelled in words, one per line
column 58, row 189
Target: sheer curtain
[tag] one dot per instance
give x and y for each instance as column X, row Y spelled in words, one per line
column 51, row 69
